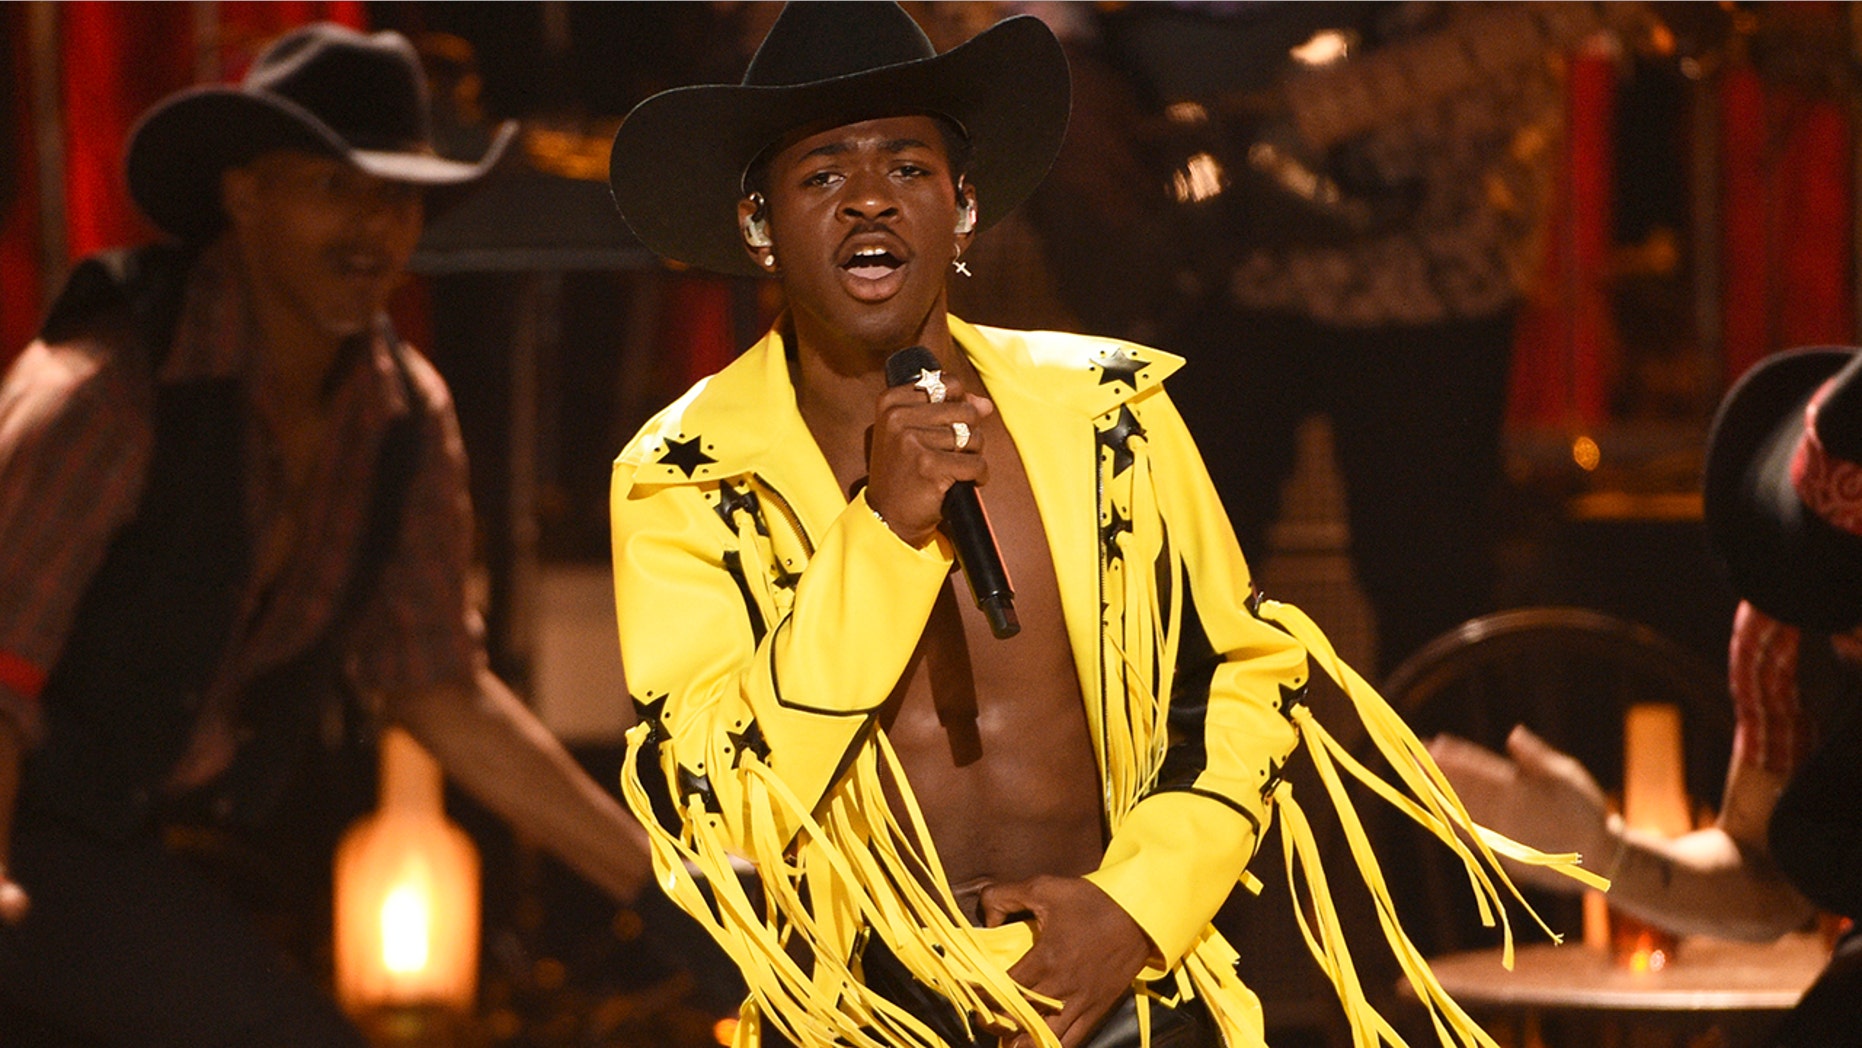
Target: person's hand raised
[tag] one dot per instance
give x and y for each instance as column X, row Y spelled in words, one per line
column 1540, row 797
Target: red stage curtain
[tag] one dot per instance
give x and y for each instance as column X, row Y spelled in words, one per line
column 695, row 324
column 1786, row 178
column 19, row 207
column 1565, row 353
column 1786, row 222
column 116, row 60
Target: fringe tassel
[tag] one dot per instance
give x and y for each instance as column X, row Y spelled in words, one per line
column 1439, row 810
column 843, row 873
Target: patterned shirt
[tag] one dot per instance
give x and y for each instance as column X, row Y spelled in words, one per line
column 1771, row 731
column 76, row 439
column 1474, row 165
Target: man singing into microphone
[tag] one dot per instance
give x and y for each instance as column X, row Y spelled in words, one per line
column 957, row 837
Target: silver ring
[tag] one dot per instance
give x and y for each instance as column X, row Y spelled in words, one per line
column 932, row 382
column 961, row 431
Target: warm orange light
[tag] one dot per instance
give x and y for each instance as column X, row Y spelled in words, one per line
column 407, row 896
column 1654, row 787
column 1200, row 178
column 406, row 927
column 1596, row 915
column 1586, row 453
column 1655, row 802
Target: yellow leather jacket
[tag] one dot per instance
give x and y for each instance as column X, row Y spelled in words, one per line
column 764, row 618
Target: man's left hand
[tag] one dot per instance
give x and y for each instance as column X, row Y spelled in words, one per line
column 1086, row 950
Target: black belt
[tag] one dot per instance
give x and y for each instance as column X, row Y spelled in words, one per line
column 1188, row 1025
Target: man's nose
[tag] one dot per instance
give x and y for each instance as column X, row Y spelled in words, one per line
column 869, row 195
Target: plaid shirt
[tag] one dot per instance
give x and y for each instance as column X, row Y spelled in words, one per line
column 76, row 438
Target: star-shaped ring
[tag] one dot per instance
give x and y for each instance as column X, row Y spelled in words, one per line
column 932, row 382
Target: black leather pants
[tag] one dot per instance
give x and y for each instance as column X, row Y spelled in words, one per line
column 1187, row 1026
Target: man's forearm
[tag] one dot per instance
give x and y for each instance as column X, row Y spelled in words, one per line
column 1704, row 883
column 489, row 743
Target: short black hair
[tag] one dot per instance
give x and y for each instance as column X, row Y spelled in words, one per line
column 957, row 150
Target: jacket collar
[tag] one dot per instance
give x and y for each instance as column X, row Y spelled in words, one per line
column 727, row 424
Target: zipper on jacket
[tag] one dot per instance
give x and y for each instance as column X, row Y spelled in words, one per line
column 788, row 514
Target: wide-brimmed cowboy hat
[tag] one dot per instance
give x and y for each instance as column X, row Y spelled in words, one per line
column 679, row 158
column 1797, row 562
column 322, row 88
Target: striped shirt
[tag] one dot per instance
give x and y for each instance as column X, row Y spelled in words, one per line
column 1771, row 731
column 76, row 439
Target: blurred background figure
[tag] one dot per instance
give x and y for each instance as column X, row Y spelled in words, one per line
column 1348, row 211
column 1785, row 518
column 237, row 537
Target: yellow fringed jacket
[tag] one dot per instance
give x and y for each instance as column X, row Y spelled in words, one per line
column 764, row 619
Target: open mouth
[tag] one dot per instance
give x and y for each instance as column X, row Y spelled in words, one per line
column 872, row 263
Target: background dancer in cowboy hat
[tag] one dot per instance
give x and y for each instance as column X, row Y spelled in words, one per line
column 228, row 494
column 1784, row 510
column 960, row 832
column 1782, row 489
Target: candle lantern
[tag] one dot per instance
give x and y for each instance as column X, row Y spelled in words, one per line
column 407, row 906
column 1654, row 802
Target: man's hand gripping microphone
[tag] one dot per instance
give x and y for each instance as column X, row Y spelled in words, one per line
column 964, row 520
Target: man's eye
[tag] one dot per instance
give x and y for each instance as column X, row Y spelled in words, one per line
column 822, row 178
column 912, row 171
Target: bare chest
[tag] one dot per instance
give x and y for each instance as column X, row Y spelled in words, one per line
column 993, row 733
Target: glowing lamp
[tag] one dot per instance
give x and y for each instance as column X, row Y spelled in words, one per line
column 1654, row 786
column 1654, row 801
column 407, row 898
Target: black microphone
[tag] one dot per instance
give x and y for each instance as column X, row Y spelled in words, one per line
column 964, row 520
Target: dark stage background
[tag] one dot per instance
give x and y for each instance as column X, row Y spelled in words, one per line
column 1703, row 217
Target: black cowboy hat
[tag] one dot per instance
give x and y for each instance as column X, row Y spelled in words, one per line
column 1779, row 554
column 679, row 158
column 322, row 88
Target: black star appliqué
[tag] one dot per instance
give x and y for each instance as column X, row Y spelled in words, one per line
column 750, row 740
column 1120, row 366
column 685, row 454
column 1290, row 698
column 691, row 782
column 1118, row 438
column 731, row 499
column 1111, row 530
column 1275, row 769
column 652, row 713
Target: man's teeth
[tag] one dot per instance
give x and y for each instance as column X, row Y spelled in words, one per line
column 872, row 263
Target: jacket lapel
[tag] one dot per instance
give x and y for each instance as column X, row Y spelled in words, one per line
column 1051, row 388
column 739, row 421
